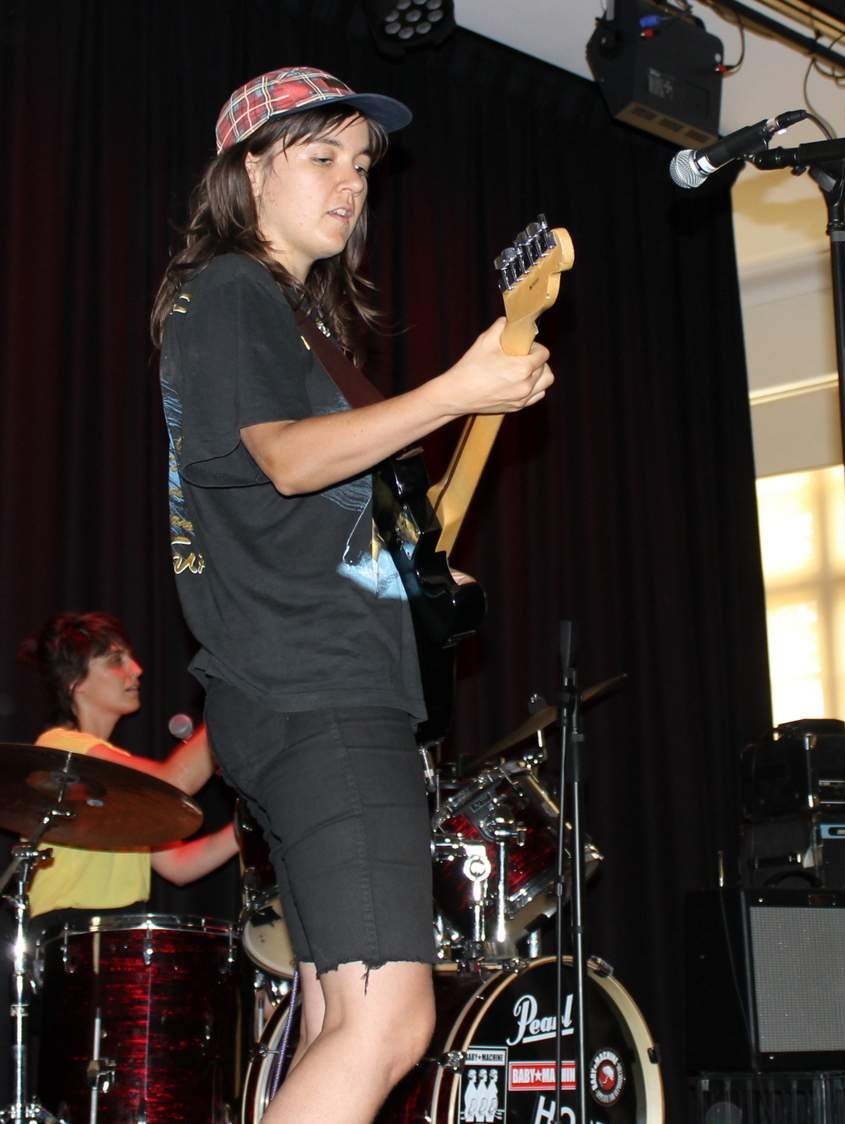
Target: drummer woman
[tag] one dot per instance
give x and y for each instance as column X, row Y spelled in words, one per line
column 94, row 680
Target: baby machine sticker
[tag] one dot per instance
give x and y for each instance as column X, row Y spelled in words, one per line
column 483, row 1098
column 607, row 1077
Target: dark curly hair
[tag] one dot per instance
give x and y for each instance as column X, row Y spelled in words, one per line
column 223, row 219
column 62, row 649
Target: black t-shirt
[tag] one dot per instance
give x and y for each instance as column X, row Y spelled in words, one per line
column 291, row 597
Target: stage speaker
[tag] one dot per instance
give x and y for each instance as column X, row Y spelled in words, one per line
column 765, row 976
column 771, row 1098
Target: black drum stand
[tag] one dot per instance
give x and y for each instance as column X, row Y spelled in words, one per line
column 22, row 1110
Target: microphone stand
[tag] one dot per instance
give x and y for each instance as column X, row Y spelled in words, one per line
column 571, row 777
column 825, row 161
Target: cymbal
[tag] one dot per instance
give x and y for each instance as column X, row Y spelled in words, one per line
column 548, row 716
column 112, row 807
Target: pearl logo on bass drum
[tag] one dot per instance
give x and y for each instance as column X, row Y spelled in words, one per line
column 530, row 1028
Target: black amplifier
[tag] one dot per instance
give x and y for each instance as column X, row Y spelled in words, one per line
column 794, row 852
column 798, row 769
column 765, row 984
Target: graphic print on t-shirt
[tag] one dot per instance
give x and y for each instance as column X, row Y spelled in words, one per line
column 364, row 562
column 183, row 551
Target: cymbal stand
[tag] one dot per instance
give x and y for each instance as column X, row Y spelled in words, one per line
column 25, row 858
column 571, row 778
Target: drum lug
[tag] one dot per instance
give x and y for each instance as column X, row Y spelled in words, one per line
column 453, row 1061
column 100, row 1074
column 599, row 967
column 262, row 1050
column 147, row 949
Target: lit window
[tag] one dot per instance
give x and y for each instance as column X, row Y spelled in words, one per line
column 802, row 534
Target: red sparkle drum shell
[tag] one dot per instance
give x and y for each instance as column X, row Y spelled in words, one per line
column 530, row 872
column 491, row 1058
column 155, row 1000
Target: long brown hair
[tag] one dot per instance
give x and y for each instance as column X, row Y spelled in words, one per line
column 223, row 219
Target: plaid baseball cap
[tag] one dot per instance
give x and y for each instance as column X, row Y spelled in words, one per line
column 292, row 89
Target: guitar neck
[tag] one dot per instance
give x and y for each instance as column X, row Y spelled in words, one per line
column 452, row 494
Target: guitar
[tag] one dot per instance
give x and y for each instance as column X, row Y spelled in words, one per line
column 419, row 521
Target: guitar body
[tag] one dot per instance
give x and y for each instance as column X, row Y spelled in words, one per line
column 443, row 610
column 418, row 521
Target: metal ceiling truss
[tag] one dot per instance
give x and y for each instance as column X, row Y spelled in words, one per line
column 820, row 24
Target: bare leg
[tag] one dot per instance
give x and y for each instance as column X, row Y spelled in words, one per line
column 368, row 1041
column 313, row 1010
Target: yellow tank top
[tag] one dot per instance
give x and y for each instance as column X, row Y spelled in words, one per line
column 77, row 879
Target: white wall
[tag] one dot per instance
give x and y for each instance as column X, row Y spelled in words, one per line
column 783, row 255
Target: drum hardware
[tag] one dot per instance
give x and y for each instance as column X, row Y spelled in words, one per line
column 481, row 807
column 100, row 1074
column 25, row 858
column 429, row 771
column 453, row 1061
column 477, row 870
column 505, row 831
column 261, row 925
column 571, row 782
column 268, row 991
column 547, row 716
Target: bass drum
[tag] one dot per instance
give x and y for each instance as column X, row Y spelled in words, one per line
column 491, row 1059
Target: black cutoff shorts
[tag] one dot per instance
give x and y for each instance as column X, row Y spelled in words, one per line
column 340, row 797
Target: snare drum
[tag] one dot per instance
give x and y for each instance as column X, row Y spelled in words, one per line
column 140, row 1021
column 491, row 1058
column 469, row 815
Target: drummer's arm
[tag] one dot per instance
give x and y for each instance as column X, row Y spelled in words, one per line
column 188, row 767
column 186, row 862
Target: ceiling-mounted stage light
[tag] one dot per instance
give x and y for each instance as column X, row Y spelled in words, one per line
column 659, row 70
column 402, row 25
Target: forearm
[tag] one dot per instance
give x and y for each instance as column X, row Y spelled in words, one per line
column 315, row 453
column 188, row 767
column 312, row 454
column 190, row 764
column 188, row 861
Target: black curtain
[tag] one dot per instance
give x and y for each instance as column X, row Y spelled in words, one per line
column 624, row 502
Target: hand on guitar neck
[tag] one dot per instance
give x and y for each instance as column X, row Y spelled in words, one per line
column 489, row 380
column 504, row 371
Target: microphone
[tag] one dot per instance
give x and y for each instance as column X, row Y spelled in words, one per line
column 691, row 167
column 181, row 726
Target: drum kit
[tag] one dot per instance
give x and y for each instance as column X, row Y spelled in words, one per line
column 492, row 1057
column 141, row 1014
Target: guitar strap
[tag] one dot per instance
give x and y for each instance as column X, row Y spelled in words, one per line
column 352, row 383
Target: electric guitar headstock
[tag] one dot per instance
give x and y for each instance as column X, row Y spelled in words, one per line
column 529, row 278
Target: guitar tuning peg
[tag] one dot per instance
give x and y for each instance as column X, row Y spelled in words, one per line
column 526, row 248
column 508, row 265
